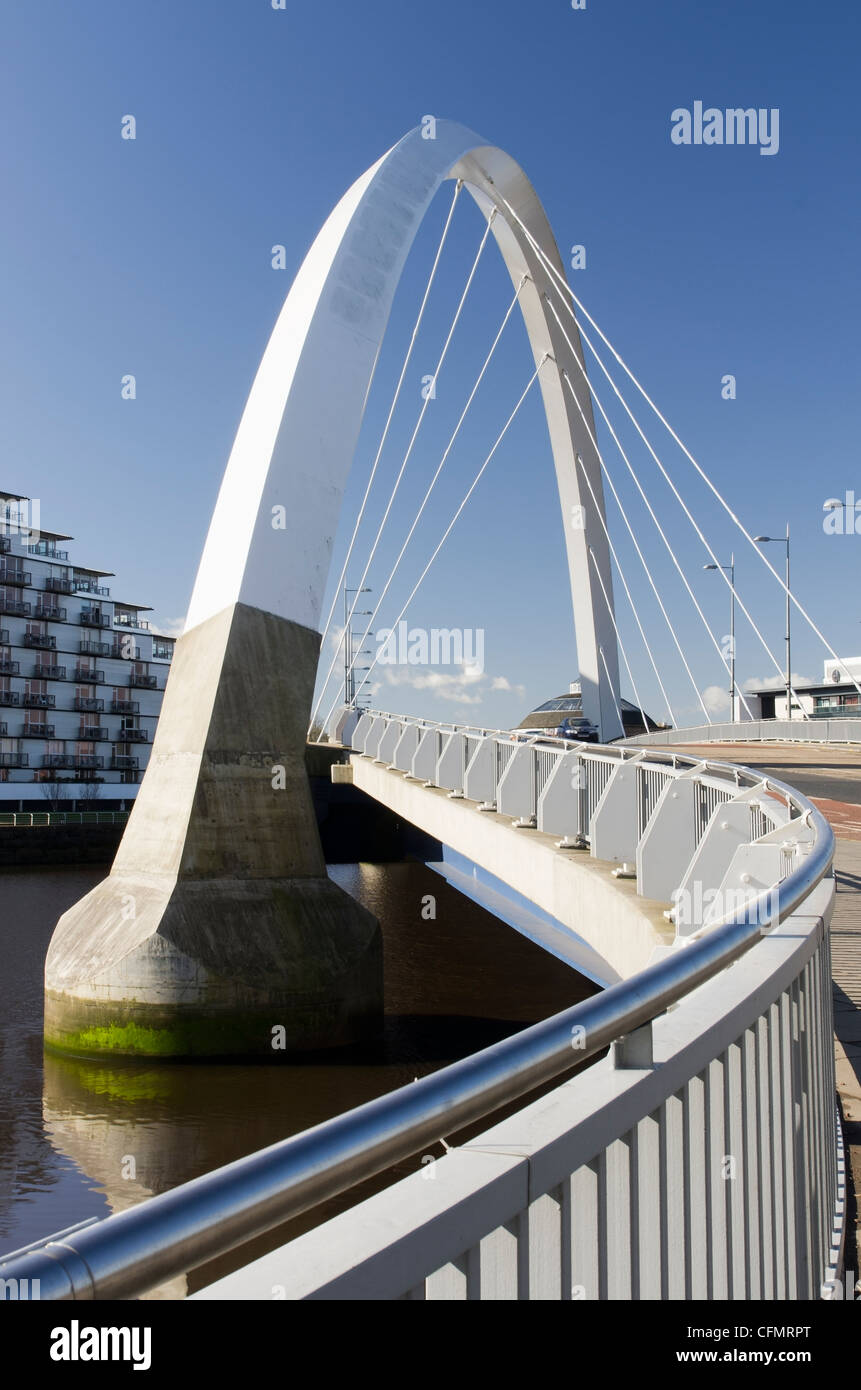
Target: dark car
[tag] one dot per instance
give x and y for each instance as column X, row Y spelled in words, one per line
column 578, row 729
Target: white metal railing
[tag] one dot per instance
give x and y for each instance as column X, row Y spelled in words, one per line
column 699, row 1158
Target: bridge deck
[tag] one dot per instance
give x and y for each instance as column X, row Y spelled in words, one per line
column 831, row 777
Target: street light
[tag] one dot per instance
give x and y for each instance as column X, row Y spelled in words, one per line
column 784, row 540
column 349, row 672
column 731, row 568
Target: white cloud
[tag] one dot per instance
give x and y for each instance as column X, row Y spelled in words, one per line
column 170, row 627
column 503, row 683
column 716, row 699
column 463, row 685
column 775, row 682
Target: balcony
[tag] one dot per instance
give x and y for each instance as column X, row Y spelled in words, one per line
column 59, row 586
column 94, row 617
column 89, row 586
column 37, row 731
column 92, row 733
column 162, row 651
column 123, row 762
column 88, row 704
column 19, row 607
column 9, row 667
column 30, row 700
column 4, row 636
column 125, row 707
column 14, row 759
column 4, row 729
column 58, row 760
column 835, row 711
column 90, row 648
column 10, row 697
column 132, row 736
column 49, row 673
column 49, row 612
column 143, row 682
column 13, row 574
column 5, row 545
column 131, row 620
column 49, row 551
column 39, row 639
column 87, row 762
column 89, row 675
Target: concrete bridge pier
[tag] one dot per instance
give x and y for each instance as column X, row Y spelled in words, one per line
column 217, row 932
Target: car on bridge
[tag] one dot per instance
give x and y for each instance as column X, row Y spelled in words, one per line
column 580, row 729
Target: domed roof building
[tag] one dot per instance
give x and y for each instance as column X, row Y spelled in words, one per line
column 551, row 713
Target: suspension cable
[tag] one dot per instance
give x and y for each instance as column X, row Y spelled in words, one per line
column 442, row 461
column 642, row 493
column 565, row 291
column 637, row 546
column 408, row 453
column 450, row 527
column 457, row 188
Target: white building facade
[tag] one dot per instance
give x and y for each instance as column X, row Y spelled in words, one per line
column 82, row 676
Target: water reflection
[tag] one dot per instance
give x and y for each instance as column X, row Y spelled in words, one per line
column 79, row 1137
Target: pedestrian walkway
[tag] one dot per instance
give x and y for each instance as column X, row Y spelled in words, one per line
column 846, row 975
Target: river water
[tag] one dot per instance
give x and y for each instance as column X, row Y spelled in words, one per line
column 82, row 1138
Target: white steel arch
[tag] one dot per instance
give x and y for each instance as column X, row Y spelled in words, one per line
column 298, row 433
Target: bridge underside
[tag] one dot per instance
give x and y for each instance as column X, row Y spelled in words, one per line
column 578, row 891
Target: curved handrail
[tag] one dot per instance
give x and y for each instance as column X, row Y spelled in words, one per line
column 129, row 1252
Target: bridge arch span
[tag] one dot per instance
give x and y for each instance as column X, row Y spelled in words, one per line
column 217, row 920
column 297, row 437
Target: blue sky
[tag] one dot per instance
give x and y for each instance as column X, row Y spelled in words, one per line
column 153, row 257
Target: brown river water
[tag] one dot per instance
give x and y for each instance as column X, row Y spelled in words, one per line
column 83, row 1138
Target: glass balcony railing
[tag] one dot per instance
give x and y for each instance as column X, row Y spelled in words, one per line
column 42, row 672
column 37, row 731
column 89, row 675
column 50, row 612
column 39, row 639
column 18, row 607
column 14, row 759
column 9, row 667
column 12, row 574
column 94, row 617
column 123, row 762
column 88, row 704
column 31, row 700
column 88, row 647
column 10, row 697
column 143, row 682
column 125, row 707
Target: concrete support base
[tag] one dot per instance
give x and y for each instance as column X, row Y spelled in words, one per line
column 223, row 968
column 217, row 933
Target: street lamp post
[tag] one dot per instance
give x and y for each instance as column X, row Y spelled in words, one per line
column 731, row 568
column 784, row 540
column 349, row 673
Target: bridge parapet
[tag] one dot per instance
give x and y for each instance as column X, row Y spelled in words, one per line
column 700, row 1157
column 662, row 817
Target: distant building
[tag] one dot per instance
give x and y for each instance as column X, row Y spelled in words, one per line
column 835, row 698
column 552, row 712
column 81, row 676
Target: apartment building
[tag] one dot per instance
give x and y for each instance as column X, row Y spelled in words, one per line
column 82, row 676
